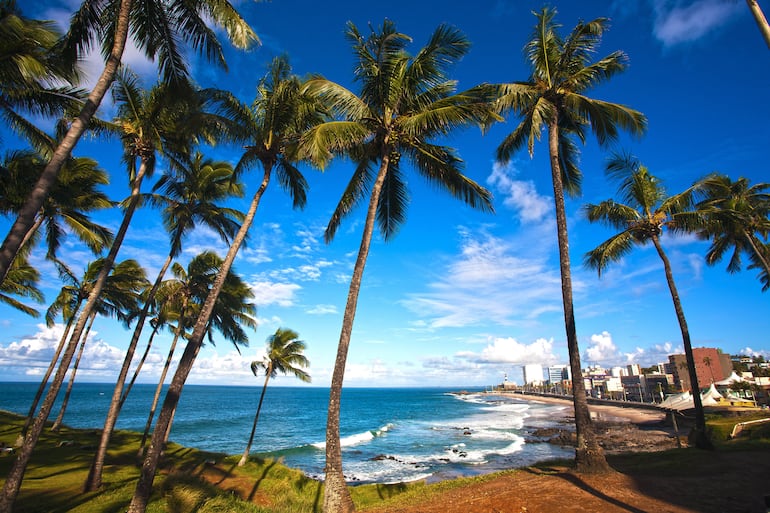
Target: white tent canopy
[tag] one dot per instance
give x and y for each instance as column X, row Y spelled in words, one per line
column 684, row 401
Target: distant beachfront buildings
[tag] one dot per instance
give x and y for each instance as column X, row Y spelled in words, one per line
column 649, row 384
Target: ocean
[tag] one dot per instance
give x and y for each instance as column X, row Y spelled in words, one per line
column 388, row 434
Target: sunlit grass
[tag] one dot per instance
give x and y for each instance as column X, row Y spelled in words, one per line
column 58, row 468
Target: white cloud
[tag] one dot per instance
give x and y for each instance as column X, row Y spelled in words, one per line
column 268, row 293
column 677, row 23
column 509, row 350
column 323, row 310
column 519, row 195
column 489, row 281
column 601, row 349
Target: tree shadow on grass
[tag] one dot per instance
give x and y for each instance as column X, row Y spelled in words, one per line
column 260, row 479
column 579, row 483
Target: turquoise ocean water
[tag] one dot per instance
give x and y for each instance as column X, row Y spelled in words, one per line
column 388, row 434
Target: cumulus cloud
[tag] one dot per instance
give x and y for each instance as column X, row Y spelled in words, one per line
column 511, row 351
column 601, row 349
column 31, row 355
column 679, row 22
column 269, row 293
column 519, row 195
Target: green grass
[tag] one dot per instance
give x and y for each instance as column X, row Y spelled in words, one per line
column 54, row 479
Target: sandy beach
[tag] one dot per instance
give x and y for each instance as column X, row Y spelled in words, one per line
column 599, row 411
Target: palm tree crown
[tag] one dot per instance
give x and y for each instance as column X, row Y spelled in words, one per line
column 736, row 217
column 562, row 72
column 405, row 102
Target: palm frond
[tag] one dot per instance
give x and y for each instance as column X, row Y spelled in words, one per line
column 611, row 250
column 356, row 190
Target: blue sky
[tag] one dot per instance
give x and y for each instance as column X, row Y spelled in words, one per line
column 458, row 297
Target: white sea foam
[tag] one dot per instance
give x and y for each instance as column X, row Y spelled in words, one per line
column 358, row 438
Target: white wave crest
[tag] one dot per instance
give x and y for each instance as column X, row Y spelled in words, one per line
column 358, row 438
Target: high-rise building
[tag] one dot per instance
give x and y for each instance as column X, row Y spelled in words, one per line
column 533, row 374
column 711, row 365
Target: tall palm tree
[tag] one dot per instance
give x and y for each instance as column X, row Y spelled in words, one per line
column 28, row 68
column 72, row 197
column 157, row 27
column 405, row 103
column 645, row 212
column 163, row 119
column 279, row 114
column 190, row 198
column 735, row 215
column 554, row 99
column 284, row 355
column 120, row 298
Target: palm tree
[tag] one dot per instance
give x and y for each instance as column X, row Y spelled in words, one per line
column 707, row 363
column 159, row 120
column 641, row 219
column 554, row 99
column 284, row 355
column 405, row 102
column 279, row 114
column 759, row 17
column 180, row 299
column 735, row 217
column 157, row 27
column 120, row 298
column 73, row 196
column 190, row 197
column 28, row 69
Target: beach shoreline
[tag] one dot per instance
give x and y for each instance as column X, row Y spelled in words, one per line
column 619, row 428
column 642, row 414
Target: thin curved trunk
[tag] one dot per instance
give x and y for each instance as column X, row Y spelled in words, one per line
column 757, row 252
column 48, row 372
column 150, row 464
column 245, row 456
column 759, row 17
column 589, row 456
column 336, row 494
column 39, row 193
column 162, row 379
column 139, row 366
column 94, row 479
column 28, row 236
column 701, row 438
column 16, row 474
column 65, row 401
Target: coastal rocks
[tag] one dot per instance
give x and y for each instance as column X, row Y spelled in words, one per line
column 614, row 437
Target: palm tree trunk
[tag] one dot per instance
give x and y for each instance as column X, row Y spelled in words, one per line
column 44, row 382
column 757, row 252
column 94, row 479
column 699, row 433
column 139, row 366
column 759, row 17
column 589, row 456
column 159, row 388
column 60, row 418
column 28, row 236
column 39, row 193
column 245, row 456
column 16, row 474
column 150, row 465
column 336, row 494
